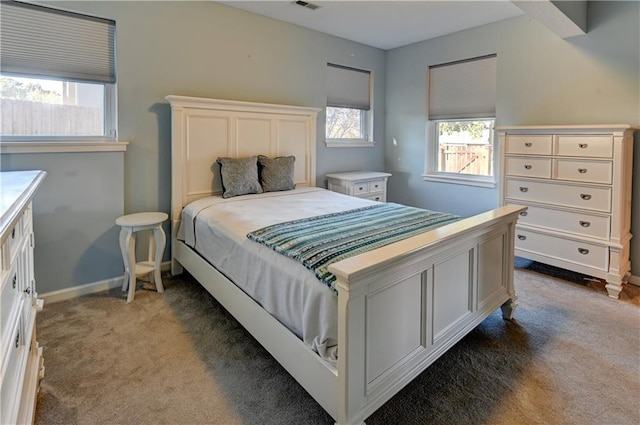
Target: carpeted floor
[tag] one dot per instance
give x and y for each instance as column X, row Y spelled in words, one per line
column 571, row 356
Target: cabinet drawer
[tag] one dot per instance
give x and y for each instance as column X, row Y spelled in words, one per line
column 375, row 197
column 529, row 145
column 586, row 254
column 584, row 171
column 589, row 198
column 9, row 301
column 529, row 167
column 376, row 186
column 12, row 379
column 590, row 146
column 360, row 188
column 593, row 226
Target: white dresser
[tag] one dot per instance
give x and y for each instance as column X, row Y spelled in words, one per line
column 22, row 362
column 362, row 184
column 576, row 181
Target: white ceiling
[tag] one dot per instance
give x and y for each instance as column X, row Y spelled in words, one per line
column 384, row 24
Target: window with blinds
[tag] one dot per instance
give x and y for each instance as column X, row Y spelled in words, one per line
column 349, row 112
column 462, row 109
column 57, row 74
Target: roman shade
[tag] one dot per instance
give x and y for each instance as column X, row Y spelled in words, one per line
column 39, row 40
column 465, row 89
column 348, row 87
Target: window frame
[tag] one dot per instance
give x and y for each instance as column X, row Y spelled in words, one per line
column 108, row 141
column 366, row 122
column 432, row 153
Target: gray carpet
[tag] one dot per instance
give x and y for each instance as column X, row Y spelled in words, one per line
column 572, row 356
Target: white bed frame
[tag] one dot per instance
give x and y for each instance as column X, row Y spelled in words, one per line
column 400, row 307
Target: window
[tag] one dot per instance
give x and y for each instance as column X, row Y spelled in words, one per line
column 460, row 139
column 349, row 115
column 57, row 75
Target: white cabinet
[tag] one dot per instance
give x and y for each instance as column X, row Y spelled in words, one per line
column 362, row 184
column 576, row 181
column 22, row 363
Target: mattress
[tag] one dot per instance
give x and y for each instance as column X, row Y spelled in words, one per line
column 217, row 229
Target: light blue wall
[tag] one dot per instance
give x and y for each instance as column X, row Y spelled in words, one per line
column 74, row 212
column 197, row 48
column 541, row 79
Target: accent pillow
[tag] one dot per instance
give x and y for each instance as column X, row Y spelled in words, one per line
column 239, row 176
column 276, row 173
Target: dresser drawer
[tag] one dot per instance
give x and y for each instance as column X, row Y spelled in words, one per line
column 360, row 188
column 13, row 366
column 378, row 198
column 376, row 186
column 10, row 301
column 529, row 145
column 589, row 225
column 529, row 167
column 589, row 198
column 589, row 146
column 586, row 254
column 584, row 171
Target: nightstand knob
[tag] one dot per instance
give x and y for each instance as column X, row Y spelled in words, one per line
column 524, row 189
column 360, row 188
column 583, row 145
column 585, row 196
column 13, row 281
column 18, row 339
column 583, row 251
column 524, row 213
column 522, row 237
column 582, row 170
column 527, row 167
column 585, row 223
column 27, row 291
column 528, row 144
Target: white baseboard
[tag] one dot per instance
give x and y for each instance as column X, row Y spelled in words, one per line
column 90, row 288
column 634, row 280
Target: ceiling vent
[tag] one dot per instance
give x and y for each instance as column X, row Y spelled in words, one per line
column 306, row 4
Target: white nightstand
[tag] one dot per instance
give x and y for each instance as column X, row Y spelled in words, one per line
column 131, row 224
column 362, row 184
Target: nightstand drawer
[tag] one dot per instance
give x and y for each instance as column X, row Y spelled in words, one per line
column 590, row 146
column 529, row 145
column 360, row 188
column 589, row 225
column 589, row 198
column 529, row 167
column 584, row 171
column 376, row 186
column 582, row 253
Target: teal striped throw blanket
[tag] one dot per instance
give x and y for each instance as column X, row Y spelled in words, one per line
column 316, row 242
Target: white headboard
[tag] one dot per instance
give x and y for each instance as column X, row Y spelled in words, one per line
column 204, row 129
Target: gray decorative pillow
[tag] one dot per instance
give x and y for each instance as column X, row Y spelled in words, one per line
column 239, row 176
column 276, row 173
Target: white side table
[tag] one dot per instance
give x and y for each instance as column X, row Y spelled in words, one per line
column 132, row 223
column 361, row 184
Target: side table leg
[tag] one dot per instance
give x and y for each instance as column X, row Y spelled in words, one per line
column 125, row 257
column 131, row 242
column 160, row 240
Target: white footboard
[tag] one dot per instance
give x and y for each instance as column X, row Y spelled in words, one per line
column 404, row 305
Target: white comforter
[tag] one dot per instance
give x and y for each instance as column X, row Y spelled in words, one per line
column 217, row 229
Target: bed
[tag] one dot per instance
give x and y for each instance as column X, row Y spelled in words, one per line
column 399, row 307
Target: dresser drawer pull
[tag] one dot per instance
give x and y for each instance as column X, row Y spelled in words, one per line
column 524, row 213
column 377, row 198
column 27, row 291
column 583, row 251
column 376, row 186
column 524, row 189
column 582, row 170
column 18, row 339
column 528, row 144
column 527, row 167
column 585, row 223
column 585, row 196
column 360, row 188
column 583, row 145
column 13, row 233
column 13, row 281
column 522, row 237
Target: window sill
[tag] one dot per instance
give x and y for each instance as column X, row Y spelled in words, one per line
column 349, row 143
column 487, row 182
column 55, row 146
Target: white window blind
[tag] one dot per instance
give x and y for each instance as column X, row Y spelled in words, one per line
column 348, row 87
column 38, row 40
column 465, row 89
